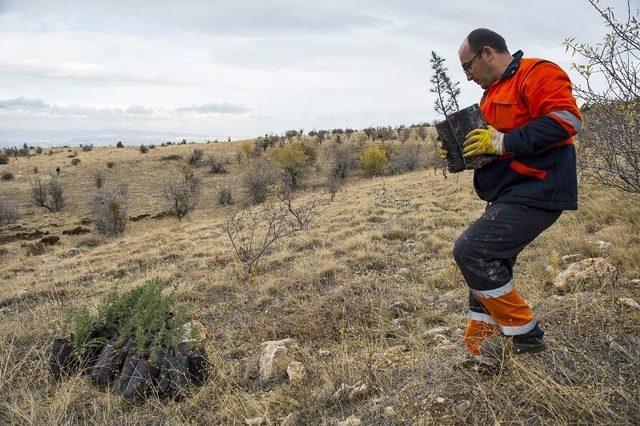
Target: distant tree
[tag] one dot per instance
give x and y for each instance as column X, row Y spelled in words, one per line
column 119, row 144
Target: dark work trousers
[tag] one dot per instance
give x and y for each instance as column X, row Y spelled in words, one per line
column 486, row 253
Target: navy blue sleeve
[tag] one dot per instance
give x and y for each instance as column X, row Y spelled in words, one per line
column 534, row 136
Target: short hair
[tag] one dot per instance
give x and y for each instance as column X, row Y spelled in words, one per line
column 482, row 37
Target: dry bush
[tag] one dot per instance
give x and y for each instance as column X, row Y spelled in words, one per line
column 171, row 157
column 611, row 151
column 143, row 149
column 109, row 209
column 342, row 162
column 75, row 161
column 224, row 196
column 215, row 166
column 49, row 195
column 7, row 214
column 98, row 179
column 195, row 158
column 110, row 164
column 87, row 148
column 260, row 178
column 182, row 194
column 4, row 158
column 7, row 175
column 410, row 157
column 373, row 161
column 252, row 233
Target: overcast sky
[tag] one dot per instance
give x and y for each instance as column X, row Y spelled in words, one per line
column 244, row 68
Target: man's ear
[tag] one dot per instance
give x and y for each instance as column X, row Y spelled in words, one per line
column 489, row 52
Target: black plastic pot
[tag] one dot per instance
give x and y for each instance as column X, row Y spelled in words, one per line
column 141, row 382
column 198, row 372
column 452, row 132
column 63, row 360
column 128, row 366
column 101, row 371
column 178, row 368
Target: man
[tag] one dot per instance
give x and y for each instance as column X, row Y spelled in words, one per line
column 531, row 116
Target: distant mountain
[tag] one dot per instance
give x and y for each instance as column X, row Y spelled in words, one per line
column 101, row 137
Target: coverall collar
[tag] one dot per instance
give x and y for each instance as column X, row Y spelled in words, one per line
column 513, row 66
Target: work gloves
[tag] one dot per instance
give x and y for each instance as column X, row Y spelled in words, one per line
column 477, row 142
column 483, row 141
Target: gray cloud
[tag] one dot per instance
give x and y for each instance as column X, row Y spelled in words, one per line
column 23, row 104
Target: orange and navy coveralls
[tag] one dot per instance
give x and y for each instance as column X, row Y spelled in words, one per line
column 526, row 190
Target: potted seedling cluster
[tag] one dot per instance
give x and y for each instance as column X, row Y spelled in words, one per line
column 138, row 344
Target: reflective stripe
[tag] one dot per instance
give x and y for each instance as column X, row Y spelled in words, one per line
column 514, row 331
column 477, row 316
column 500, row 291
column 575, row 122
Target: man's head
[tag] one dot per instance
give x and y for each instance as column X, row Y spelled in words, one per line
column 484, row 56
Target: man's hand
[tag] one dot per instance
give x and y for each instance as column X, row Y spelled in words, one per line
column 483, row 141
column 443, row 152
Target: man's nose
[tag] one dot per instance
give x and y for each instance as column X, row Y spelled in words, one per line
column 469, row 76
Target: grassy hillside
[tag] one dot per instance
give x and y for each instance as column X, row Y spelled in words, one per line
column 370, row 293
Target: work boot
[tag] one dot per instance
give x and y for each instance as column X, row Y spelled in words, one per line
column 498, row 346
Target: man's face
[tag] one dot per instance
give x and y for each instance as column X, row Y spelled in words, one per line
column 475, row 66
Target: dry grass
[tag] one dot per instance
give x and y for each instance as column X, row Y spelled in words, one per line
column 334, row 288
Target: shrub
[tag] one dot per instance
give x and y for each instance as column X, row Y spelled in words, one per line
column 294, row 162
column 195, row 159
column 246, row 148
column 110, row 164
column 75, row 161
column 4, row 158
column 98, row 180
column 119, row 145
column 410, row 157
column 35, row 171
column 143, row 149
column 7, row 175
column 49, row 195
column 7, row 214
column 39, row 150
column 171, row 157
column 183, row 195
column 260, row 179
column 224, row 196
column 373, row 161
column 215, row 166
column 86, row 148
column 342, row 161
column 109, row 209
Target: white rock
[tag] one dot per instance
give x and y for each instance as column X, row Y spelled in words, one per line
column 389, row 411
column 296, row 373
column 324, row 352
column 436, row 330
column 629, row 302
column 403, row 271
column 51, row 259
column 351, row 392
column 380, row 193
column 73, row 251
column 603, row 244
column 569, row 258
column 635, row 281
column 439, row 400
column 463, row 408
column 351, row 421
column 589, row 271
column 275, row 357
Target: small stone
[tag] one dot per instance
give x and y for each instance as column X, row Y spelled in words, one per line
column 629, row 302
column 380, row 193
column 351, row 421
column 635, row 281
column 589, row 271
column 296, row 373
column 436, row 330
column 324, row 352
column 50, row 259
column 439, row 400
column 403, row 271
column 275, row 358
column 389, row 411
column 463, row 408
column 603, row 244
column 73, row 251
column 351, row 392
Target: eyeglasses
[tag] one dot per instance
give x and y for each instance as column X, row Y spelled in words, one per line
column 467, row 65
